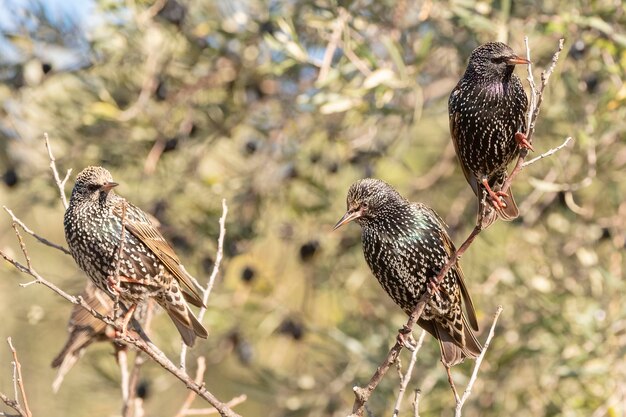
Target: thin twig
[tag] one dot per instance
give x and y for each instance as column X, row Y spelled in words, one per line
column 404, row 379
column 548, row 153
column 13, row 404
column 216, row 267
column 60, row 183
column 35, row 235
column 479, row 361
column 201, row 368
column 19, row 379
column 207, row 411
column 416, row 403
column 451, row 383
column 29, row 265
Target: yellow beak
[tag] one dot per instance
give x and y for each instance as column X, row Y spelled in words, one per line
column 347, row 218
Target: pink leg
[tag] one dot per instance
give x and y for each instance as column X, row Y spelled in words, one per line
column 495, row 196
column 523, row 142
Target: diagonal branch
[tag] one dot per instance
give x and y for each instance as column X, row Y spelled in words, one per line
column 404, row 379
column 479, row 361
column 216, row 267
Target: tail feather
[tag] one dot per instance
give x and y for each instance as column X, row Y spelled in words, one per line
column 453, row 351
column 487, row 214
column 187, row 324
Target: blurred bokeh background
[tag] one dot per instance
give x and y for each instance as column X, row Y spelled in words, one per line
column 278, row 106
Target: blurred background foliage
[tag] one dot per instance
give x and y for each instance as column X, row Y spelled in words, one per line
column 278, row 106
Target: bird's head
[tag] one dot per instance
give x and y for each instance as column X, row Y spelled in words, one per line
column 367, row 199
column 92, row 184
column 493, row 61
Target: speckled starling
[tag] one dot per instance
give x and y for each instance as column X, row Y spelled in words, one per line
column 487, row 111
column 84, row 329
column 405, row 245
column 148, row 266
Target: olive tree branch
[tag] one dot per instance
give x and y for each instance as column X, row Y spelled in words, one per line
column 60, row 182
column 479, row 360
column 18, row 388
column 404, row 379
column 209, row 286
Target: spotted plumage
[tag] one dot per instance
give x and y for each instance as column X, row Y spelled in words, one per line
column 148, row 266
column 487, row 109
column 405, row 245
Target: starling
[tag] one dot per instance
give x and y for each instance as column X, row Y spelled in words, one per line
column 405, row 245
column 84, row 330
column 148, row 266
column 487, row 111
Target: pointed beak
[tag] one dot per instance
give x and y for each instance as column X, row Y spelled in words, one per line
column 347, row 218
column 517, row 60
column 107, row 186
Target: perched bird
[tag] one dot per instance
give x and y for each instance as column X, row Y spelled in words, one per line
column 84, row 329
column 148, row 266
column 487, row 111
column 405, row 245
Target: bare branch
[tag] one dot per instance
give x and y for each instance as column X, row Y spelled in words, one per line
column 207, row 411
column 404, row 379
column 192, row 395
column 479, row 361
column 60, row 183
column 216, row 267
column 22, row 246
column 416, row 403
column 18, row 381
column 35, row 235
column 548, row 153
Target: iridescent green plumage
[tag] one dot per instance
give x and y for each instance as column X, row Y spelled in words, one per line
column 405, row 245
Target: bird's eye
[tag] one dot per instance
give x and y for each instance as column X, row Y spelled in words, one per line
column 498, row 59
column 364, row 205
column 93, row 187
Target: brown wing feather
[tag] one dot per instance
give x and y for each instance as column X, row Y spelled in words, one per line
column 154, row 240
column 471, row 179
column 449, row 247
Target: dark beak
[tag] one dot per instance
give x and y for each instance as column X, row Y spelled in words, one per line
column 107, row 186
column 517, row 60
column 347, row 218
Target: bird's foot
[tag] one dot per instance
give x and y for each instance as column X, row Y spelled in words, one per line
column 124, row 323
column 523, row 142
column 405, row 337
column 494, row 196
column 113, row 284
column 432, row 287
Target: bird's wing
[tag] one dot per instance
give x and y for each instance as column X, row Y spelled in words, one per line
column 143, row 230
column 454, row 117
column 450, row 249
